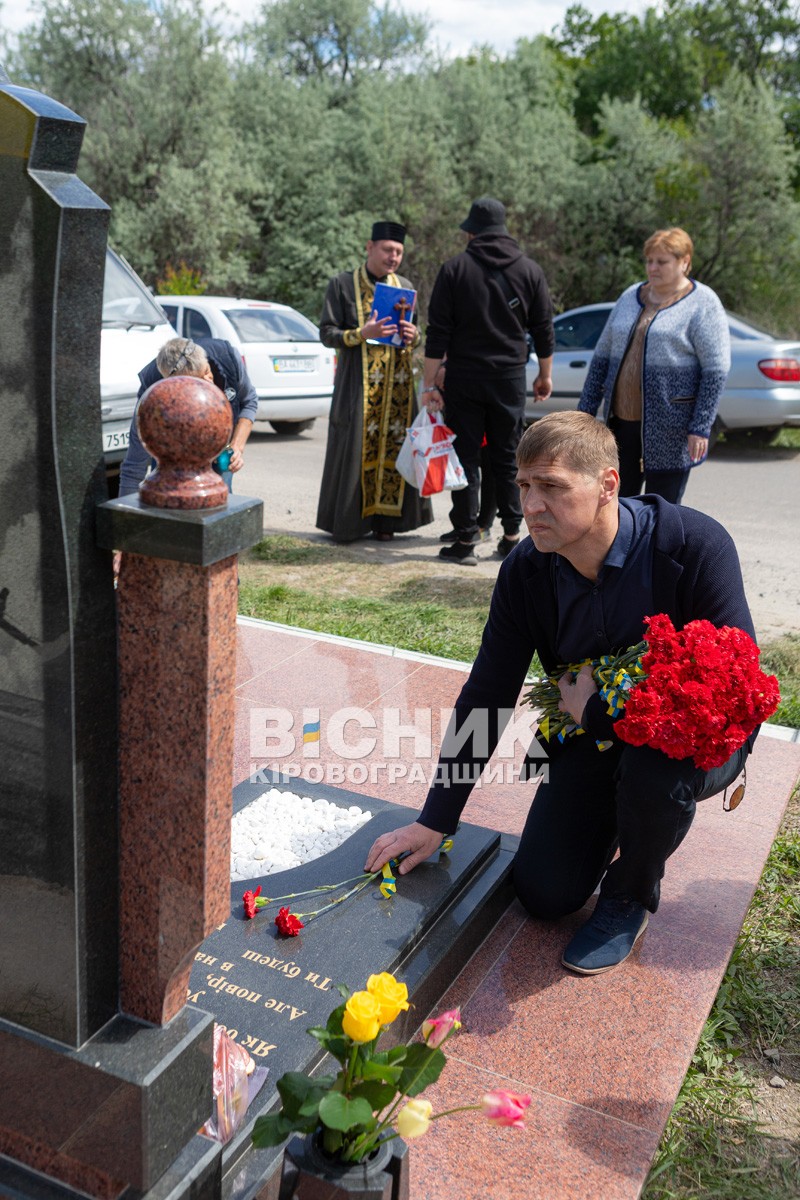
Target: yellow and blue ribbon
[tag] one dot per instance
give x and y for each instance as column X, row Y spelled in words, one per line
column 614, row 675
column 388, row 886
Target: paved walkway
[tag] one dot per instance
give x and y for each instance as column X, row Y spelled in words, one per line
column 603, row 1058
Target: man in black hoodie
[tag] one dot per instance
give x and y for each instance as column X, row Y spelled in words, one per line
column 484, row 303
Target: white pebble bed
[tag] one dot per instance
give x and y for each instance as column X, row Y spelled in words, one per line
column 280, row 830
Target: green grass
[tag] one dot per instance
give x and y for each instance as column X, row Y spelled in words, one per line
column 782, row 658
column 422, row 625
column 285, row 550
column 713, row 1145
column 787, row 438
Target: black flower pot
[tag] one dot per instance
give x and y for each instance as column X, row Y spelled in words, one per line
column 311, row 1174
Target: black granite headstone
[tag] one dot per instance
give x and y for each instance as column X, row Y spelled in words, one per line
column 58, row 879
column 91, row 1102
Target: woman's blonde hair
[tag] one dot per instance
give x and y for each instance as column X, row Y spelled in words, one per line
column 675, row 241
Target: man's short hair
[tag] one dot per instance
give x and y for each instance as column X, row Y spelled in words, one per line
column 181, row 356
column 576, row 439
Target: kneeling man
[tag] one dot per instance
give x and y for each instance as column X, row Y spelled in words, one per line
column 579, row 587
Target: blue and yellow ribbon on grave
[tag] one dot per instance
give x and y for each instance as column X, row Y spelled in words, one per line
column 388, row 885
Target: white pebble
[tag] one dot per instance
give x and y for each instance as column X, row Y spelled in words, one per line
column 279, row 830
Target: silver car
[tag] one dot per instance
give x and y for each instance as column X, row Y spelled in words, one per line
column 762, row 390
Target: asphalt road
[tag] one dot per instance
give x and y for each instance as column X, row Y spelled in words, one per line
column 755, row 494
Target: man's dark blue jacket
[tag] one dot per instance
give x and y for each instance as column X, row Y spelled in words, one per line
column 696, row 575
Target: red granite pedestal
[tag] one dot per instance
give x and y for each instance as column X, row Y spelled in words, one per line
column 177, row 630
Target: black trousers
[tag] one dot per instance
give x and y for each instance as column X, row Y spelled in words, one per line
column 488, row 509
column 669, row 484
column 629, row 798
column 495, row 408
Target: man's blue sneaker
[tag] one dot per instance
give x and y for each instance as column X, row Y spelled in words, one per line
column 607, row 938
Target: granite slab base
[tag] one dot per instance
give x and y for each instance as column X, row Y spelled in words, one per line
column 194, row 1175
column 268, row 990
column 120, row 1110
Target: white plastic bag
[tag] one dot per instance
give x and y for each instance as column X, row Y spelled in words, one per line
column 427, row 459
column 405, row 459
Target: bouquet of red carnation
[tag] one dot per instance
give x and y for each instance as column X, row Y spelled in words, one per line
column 698, row 693
column 702, row 695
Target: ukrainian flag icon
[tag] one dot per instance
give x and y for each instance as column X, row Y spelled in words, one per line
column 311, row 732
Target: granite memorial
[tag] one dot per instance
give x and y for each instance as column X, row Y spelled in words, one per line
column 121, row 939
column 101, row 1093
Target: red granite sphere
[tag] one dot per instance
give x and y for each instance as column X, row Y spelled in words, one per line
column 184, row 422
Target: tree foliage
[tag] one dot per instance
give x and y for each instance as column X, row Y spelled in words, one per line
column 258, row 159
column 656, row 58
column 315, row 39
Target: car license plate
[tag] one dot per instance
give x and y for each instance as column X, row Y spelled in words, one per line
column 116, row 440
column 294, row 364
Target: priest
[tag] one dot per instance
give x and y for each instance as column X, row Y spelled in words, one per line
column 373, row 400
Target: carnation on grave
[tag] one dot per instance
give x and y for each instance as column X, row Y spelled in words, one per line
column 288, row 923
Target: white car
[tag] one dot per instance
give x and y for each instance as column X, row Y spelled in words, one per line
column 134, row 329
column 762, row 389
column 290, row 369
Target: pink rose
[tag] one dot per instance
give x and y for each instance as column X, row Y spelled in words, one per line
column 506, row 1108
column 436, row 1029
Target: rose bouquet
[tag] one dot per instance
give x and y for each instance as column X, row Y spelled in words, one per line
column 374, row 1095
column 692, row 693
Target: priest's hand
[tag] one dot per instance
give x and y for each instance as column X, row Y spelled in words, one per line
column 374, row 328
column 576, row 691
column 416, row 840
column 408, row 332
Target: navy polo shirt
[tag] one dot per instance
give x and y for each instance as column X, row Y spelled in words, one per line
column 604, row 616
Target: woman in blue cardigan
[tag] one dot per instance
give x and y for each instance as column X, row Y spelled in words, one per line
column 659, row 369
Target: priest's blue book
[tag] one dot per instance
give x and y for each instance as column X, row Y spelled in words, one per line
column 398, row 304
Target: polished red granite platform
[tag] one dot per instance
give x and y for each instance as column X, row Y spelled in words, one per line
column 603, row 1058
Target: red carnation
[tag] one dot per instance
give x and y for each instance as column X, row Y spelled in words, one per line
column 249, row 901
column 703, row 695
column 288, row 924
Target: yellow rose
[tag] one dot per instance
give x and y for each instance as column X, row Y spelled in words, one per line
column 413, row 1120
column 391, row 995
column 362, row 1017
